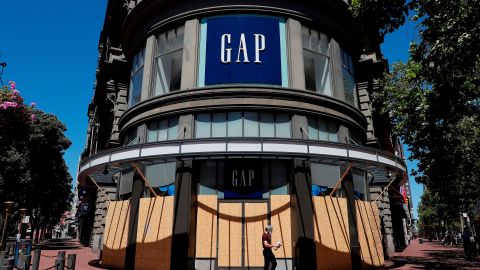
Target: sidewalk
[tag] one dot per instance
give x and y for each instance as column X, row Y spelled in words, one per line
column 430, row 255
column 84, row 254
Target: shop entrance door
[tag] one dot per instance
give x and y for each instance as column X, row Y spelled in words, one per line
column 240, row 229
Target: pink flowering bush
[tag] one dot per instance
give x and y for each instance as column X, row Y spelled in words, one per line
column 10, row 98
column 15, row 116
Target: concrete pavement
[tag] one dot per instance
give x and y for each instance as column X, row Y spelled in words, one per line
column 84, row 254
column 431, row 255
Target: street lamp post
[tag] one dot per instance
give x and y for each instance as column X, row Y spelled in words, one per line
column 7, row 206
column 21, row 213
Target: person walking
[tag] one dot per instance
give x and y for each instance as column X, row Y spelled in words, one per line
column 268, row 255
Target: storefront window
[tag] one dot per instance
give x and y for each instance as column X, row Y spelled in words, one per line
column 359, row 184
column 322, row 130
column 163, row 130
column 324, row 178
column 161, row 177
column 243, row 178
column 168, row 61
column 130, row 138
column 136, row 76
column 126, row 184
column 348, row 79
column 243, row 124
column 316, row 61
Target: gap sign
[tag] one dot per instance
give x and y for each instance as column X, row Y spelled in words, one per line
column 242, row 49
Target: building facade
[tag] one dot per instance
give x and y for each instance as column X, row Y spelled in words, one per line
column 212, row 119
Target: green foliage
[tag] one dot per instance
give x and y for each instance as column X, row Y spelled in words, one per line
column 378, row 18
column 33, row 172
column 431, row 101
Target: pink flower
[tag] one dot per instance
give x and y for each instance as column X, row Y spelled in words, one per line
column 16, row 92
column 11, row 104
column 33, row 117
column 33, row 104
column 8, row 104
column 13, row 85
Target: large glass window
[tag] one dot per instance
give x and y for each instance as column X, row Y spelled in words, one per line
column 125, row 185
column 359, row 184
column 136, row 76
column 161, row 177
column 272, row 176
column 243, row 124
column 348, row 79
column 162, row 130
column 131, row 138
column 316, row 61
column 322, row 130
column 324, row 178
column 168, row 61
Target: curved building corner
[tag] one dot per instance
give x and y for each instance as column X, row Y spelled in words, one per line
column 213, row 119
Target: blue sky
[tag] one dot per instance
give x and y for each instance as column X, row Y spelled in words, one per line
column 50, row 48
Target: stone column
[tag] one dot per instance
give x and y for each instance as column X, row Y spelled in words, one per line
column 383, row 204
column 100, row 214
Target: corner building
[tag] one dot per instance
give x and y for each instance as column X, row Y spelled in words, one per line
column 212, row 119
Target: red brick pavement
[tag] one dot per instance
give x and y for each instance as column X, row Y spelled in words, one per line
column 84, row 256
column 431, row 255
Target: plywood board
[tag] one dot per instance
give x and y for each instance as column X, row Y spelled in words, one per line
column 256, row 220
column 154, row 234
column 116, row 234
column 332, row 237
column 206, row 234
column 281, row 221
column 230, row 235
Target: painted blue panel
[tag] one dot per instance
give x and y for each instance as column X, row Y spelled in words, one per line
column 243, row 66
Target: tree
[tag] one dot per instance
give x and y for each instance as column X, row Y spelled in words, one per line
column 378, row 18
column 433, row 101
column 33, row 172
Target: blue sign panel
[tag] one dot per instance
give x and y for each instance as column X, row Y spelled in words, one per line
column 245, row 49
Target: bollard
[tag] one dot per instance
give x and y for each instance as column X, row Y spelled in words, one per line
column 3, row 255
column 60, row 263
column 61, row 254
column 36, row 258
column 7, row 264
column 26, row 264
column 71, row 261
column 11, row 249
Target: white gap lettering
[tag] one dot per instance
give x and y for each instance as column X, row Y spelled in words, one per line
column 259, row 46
column 242, row 47
column 226, row 38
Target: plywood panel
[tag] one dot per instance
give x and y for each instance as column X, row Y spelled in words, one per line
column 154, row 234
column 374, row 217
column 369, row 235
column 116, row 234
column 230, row 235
column 206, row 243
column 256, row 220
column 331, row 233
column 282, row 224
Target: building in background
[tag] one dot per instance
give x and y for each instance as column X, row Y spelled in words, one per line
column 212, row 119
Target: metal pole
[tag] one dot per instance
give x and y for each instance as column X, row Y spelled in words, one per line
column 341, row 179
column 144, row 179
column 61, row 254
column 71, row 261
column 26, row 265
column 36, row 258
column 101, row 189
column 3, row 255
column 60, row 264
column 3, row 230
